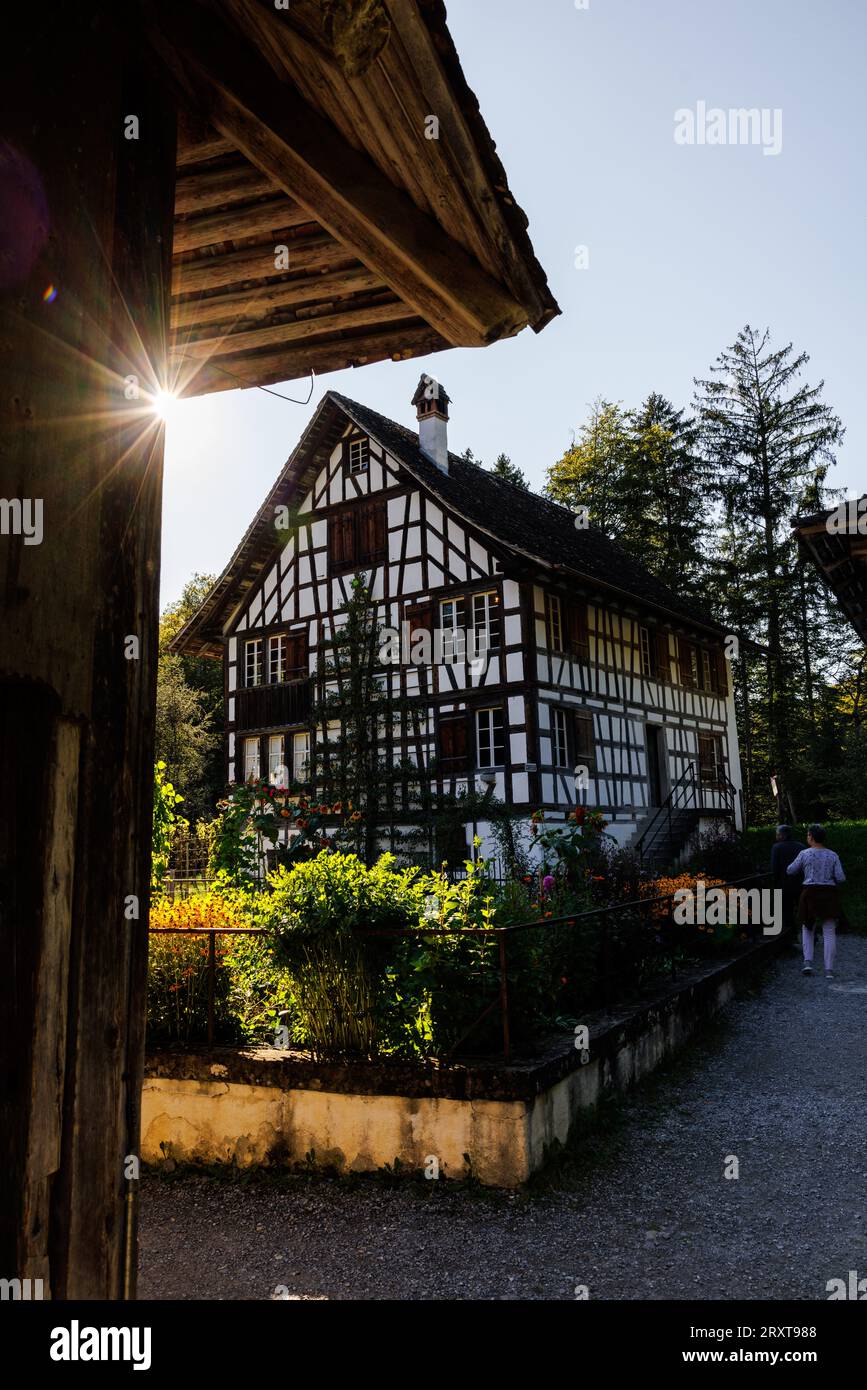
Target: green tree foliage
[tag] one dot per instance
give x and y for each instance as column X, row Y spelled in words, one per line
column 503, row 468
column 509, row 471
column 591, row 472
column 166, row 802
column 190, row 709
column 768, row 439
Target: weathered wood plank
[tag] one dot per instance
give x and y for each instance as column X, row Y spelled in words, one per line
column 318, row 326
column 263, row 369
column 81, row 715
column 258, row 302
column 311, row 253
column 276, row 215
column 214, row 188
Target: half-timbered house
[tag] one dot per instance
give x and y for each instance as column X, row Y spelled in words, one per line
column 596, row 684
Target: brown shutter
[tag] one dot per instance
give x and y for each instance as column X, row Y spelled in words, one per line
column 372, row 532
column 663, row 656
column 706, row 759
column 453, row 742
column 341, row 538
column 420, row 616
column 722, row 673
column 296, row 654
column 684, row 661
column 584, row 749
column 578, row 636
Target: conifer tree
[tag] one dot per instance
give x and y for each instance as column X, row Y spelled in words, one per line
column 769, row 438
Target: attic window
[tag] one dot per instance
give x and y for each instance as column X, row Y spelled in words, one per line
column 359, row 456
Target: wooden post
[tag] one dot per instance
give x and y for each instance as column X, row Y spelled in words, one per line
column 85, row 303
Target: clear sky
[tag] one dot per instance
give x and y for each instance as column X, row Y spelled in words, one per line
column 686, row 243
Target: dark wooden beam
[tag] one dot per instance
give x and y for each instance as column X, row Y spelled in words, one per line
column 214, row 188
column 275, row 215
column 195, row 378
column 256, row 303
column 309, row 253
column 296, row 148
column 345, row 320
column 72, row 993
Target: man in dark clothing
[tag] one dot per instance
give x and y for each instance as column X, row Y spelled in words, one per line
column 782, row 854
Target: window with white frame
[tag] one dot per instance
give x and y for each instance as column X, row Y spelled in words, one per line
column 301, row 756
column 277, row 773
column 490, row 738
column 277, row 659
column 486, row 619
column 359, row 456
column 251, row 759
column 452, row 624
column 559, row 739
column 554, row 616
column 253, row 662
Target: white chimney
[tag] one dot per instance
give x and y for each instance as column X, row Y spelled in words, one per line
column 432, row 409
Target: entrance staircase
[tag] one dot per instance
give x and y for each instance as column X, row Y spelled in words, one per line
column 666, row 830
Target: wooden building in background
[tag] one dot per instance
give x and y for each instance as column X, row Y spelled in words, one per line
column 198, row 194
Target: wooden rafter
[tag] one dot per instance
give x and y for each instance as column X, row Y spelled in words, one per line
column 294, row 147
column 261, row 300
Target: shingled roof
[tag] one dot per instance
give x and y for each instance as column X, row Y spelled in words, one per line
column 520, row 524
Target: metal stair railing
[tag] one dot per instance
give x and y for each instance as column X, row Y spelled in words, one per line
column 684, row 791
column 687, row 794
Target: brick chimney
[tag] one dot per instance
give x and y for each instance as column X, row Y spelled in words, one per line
column 432, row 409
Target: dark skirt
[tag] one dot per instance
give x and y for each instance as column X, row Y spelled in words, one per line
column 819, row 902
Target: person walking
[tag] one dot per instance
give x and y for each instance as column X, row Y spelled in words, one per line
column 820, row 897
column 782, row 853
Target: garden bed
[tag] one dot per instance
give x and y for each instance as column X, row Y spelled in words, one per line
column 483, row 1117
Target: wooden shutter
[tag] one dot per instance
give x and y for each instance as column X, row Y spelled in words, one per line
column 583, row 746
column 341, row 538
column 707, row 759
column 453, row 742
column 296, row 655
column 578, row 635
column 722, row 673
column 663, row 656
column 684, row 661
column 420, row 617
column 372, row 532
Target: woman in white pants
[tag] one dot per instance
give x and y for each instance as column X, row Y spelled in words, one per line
column 820, row 897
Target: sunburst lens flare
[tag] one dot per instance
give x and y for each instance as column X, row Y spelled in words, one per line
column 164, row 403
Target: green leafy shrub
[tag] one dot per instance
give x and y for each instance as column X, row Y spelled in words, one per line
column 349, row 986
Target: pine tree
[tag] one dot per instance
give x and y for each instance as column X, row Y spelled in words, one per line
column 505, row 468
column 768, row 440
column 663, row 494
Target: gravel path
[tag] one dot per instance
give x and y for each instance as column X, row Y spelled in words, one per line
column 645, row 1211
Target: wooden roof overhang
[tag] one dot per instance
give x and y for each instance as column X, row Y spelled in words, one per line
column 840, row 556
column 307, row 129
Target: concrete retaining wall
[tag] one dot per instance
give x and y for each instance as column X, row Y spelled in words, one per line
column 257, row 1106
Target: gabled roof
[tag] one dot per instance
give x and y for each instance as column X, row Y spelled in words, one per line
column 840, row 555
column 538, row 536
